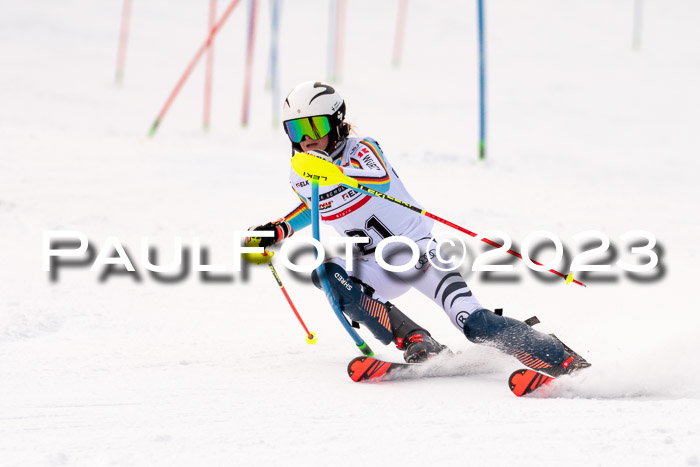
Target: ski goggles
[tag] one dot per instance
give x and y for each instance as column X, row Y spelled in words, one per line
column 314, row 127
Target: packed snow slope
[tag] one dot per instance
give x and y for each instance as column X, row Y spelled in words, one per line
column 584, row 133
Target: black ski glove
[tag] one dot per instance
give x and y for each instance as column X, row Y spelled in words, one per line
column 280, row 228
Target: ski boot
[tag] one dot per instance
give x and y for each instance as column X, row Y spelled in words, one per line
column 539, row 351
column 416, row 342
column 419, row 346
column 572, row 362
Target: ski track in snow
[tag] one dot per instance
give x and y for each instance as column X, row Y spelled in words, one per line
column 583, row 133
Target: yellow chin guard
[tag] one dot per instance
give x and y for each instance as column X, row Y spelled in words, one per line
column 316, row 169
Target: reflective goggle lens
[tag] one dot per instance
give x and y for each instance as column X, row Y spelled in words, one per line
column 313, row 127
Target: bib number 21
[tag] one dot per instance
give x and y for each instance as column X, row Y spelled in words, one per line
column 374, row 230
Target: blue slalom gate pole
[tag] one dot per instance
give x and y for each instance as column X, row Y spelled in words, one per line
column 315, row 224
column 482, row 83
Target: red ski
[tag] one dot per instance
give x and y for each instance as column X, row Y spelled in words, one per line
column 369, row 368
column 364, row 368
column 523, row 382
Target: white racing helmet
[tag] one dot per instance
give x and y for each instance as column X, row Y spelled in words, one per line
column 314, row 109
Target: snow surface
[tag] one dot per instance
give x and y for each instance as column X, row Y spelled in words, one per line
column 584, row 133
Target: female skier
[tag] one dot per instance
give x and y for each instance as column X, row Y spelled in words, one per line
column 313, row 115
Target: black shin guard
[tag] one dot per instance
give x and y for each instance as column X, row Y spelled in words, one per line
column 355, row 304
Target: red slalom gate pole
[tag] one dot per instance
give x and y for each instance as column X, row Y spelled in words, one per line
column 398, row 37
column 310, row 336
column 210, row 67
column 249, row 62
column 123, row 38
column 191, row 65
